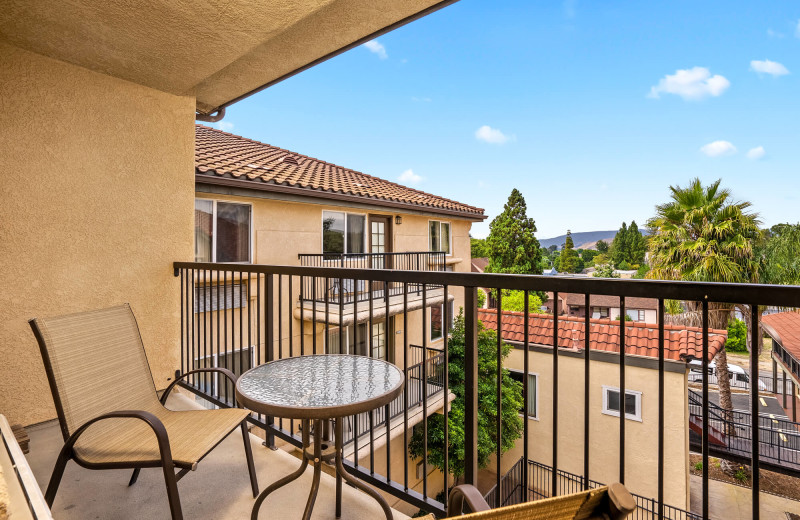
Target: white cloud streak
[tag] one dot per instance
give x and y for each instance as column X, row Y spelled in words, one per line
column 409, row 177
column 773, row 68
column 225, row 126
column 691, row 84
column 756, row 153
column 491, row 135
column 376, row 47
column 718, row 149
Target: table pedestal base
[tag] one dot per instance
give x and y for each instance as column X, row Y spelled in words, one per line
column 317, row 457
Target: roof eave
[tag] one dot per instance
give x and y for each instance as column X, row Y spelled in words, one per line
column 210, row 179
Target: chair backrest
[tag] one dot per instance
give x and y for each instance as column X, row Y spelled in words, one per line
column 95, row 364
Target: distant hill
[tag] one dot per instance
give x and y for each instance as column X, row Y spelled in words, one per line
column 582, row 240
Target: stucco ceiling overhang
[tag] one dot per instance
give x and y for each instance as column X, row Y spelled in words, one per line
column 218, row 51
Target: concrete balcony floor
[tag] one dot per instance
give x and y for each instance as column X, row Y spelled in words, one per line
column 218, row 489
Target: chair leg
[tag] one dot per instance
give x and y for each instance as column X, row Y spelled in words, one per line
column 248, row 451
column 58, row 471
column 134, row 477
column 172, row 491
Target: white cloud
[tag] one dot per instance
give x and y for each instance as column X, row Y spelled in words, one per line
column 769, row 67
column 692, row 84
column 409, row 177
column 492, row 135
column 377, row 48
column 756, row 153
column 225, row 126
column 718, row 149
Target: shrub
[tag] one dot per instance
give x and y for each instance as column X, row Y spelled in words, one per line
column 737, row 336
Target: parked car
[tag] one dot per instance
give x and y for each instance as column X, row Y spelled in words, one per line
column 738, row 376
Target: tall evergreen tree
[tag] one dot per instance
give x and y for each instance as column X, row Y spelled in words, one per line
column 637, row 245
column 511, row 244
column 619, row 246
column 568, row 255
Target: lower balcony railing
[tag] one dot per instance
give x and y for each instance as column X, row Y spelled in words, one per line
column 239, row 316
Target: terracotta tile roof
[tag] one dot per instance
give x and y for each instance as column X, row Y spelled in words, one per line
column 784, row 327
column 640, row 339
column 603, row 300
column 479, row 265
column 220, row 155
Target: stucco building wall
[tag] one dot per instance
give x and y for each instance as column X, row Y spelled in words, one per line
column 97, row 197
column 641, row 438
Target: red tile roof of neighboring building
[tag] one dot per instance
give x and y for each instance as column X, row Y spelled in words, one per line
column 220, row 155
column 784, row 327
column 640, row 339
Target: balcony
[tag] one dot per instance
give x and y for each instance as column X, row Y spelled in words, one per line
column 649, row 453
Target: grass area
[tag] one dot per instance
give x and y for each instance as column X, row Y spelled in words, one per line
column 743, row 358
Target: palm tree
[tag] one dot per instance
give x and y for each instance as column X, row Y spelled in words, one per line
column 701, row 235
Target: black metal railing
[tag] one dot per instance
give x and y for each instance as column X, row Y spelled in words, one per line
column 334, row 290
column 261, row 322
column 424, row 382
column 512, row 490
column 731, row 435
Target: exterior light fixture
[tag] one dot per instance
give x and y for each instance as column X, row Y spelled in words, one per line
column 398, row 220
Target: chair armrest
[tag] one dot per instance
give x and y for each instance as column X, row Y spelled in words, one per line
column 621, row 503
column 465, row 493
column 152, row 421
column 224, row 371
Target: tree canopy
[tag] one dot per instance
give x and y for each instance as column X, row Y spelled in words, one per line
column 628, row 247
column 512, row 245
column 779, row 255
column 478, row 247
column 602, row 246
column 511, row 400
column 568, row 256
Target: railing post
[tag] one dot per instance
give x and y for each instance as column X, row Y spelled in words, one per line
column 471, row 385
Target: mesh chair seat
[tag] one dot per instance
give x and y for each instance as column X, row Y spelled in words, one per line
column 192, row 434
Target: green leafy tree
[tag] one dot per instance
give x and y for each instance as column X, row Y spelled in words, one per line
column 642, row 271
column 511, row 423
column 568, row 256
column 478, row 246
column 515, row 301
column 605, row 271
column 673, row 307
column 779, row 255
column 619, row 245
column 602, row 246
column 737, row 336
column 512, row 245
column 637, row 245
column 588, row 256
column 702, row 235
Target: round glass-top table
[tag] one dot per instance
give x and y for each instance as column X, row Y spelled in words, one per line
column 318, row 388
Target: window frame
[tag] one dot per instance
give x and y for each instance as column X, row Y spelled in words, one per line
column 449, row 236
column 637, row 403
column 346, row 214
column 430, row 320
column 535, row 375
column 214, row 357
column 251, row 239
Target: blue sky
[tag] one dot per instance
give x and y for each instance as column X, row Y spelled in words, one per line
column 591, row 109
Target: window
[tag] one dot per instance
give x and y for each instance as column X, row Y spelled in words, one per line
column 439, row 236
column 221, row 231
column 533, row 392
column 635, row 314
column 599, row 312
column 437, row 317
column 346, row 344
column 237, row 361
column 343, row 233
column 231, row 296
column 379, row 340
column 633, row 403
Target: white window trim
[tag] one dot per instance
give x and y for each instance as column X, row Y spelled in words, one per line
column 536, row 376
column 449, row 237
column 214, row 228
column 445, row 329
column 345, row 213
column 632, row 417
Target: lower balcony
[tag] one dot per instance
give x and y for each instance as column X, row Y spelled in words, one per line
column 219, row 488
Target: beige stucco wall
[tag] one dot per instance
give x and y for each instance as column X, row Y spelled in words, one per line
column 97, row 200
column 641, row 438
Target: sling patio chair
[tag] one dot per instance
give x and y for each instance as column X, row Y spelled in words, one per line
column 108, row 409
column 605, row 503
